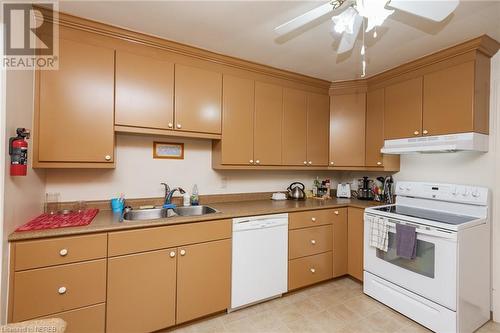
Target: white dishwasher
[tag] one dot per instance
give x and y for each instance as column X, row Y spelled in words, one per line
column 260, row 259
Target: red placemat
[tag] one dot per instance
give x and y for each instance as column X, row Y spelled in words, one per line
column 54, row 221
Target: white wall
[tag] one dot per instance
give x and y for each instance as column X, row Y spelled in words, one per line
column 138, row 175
column 469, row 168
column 23, row 195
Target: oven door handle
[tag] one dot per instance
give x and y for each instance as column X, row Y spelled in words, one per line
column 425, row 230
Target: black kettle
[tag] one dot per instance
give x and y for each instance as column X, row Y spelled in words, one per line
column 296, row 191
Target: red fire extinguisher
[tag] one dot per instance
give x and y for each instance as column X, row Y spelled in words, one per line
column 18, row 151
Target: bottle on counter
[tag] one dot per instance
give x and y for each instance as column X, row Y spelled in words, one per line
column 195, row 200
column 186, row 199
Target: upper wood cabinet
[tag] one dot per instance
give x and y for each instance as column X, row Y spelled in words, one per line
column 203, row 279
column 141, row 291
column 449, row 101
column 238, row 106
column 268, row 124
column 347, row 129
column 403, row 109
column 74, row 108
column 318, row 126
column 374, row 127
column 144, row 91
column 295, row 127
column 198, row 99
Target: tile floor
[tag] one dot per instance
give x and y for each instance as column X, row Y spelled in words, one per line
column 334, row 306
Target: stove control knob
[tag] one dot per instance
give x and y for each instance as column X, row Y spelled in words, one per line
column 466, row 193
column 408, row 189
column 475, row 194
column 454, row 191
column 401, row 187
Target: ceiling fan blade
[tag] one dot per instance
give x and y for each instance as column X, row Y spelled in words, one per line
column 435, row 10
column 348, row 40
column 304, row 19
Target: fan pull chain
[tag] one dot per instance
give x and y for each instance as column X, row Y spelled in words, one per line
column 363, row 57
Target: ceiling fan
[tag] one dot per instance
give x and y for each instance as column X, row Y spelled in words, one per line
column 350, row 15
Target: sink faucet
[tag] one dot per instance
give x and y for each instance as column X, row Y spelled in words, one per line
column 170, row 192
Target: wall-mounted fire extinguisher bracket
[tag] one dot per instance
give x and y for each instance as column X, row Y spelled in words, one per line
column 18, row 151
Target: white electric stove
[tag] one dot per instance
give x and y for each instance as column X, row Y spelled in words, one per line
column 447, row 286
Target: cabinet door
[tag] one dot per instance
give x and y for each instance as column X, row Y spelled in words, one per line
column 75, row 111
column 141, row 292
column 347, row 130
column 203, row 279
column 403, row 109
column 355, row 242
column 374, row 127
column 144, row 91
column 198, row 99
column 268, row 123
column 318, row 126
column 294, row 127
column 339, row 242
column 237, row 126
column 449, row 100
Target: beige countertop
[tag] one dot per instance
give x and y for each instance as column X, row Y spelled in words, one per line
column 107, row 221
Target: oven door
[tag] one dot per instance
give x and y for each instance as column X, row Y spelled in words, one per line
column 432, row 274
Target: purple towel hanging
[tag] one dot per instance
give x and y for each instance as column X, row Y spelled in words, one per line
column 406, row 241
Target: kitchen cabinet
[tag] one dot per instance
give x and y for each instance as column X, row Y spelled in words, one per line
column 374, row 128
column 84, row 320
column 268, row 124
column 236, row 146
column 403, row 109
column 339, row 221
column 318, row 118
column 347, row 130
column 355, row 233
column 295, row 127
column 449, row 101
column 144, row 91
column 198, row 100
column 309, row 270
column 74, row 106
column 141, row 291
column 203, row 279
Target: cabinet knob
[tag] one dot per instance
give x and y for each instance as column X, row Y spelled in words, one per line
column 107, row 158
column 63, row 252
column 170, row 125
column 257, row 162
column 305, row 162
column 336, row 212
column 183, row 252
column 61, row 290
column 251, row 161
column 331, row 163
column 379, row 163
column 310, row 162
column 172, row 254
column 313, row 219
column 416, row 132
column 179, row 126
column 313, row 270
column 425, row 132
column 313, row 242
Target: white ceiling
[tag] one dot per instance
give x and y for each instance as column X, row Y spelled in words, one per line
column 244, row 29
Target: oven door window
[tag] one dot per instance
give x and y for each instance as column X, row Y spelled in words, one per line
column 422, row 264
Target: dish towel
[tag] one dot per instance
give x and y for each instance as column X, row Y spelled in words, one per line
column 379, row 234
column 406, row 241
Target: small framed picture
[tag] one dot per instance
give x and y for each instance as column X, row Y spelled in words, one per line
column 168, row 150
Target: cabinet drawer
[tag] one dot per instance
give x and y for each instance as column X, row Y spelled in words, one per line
column 57, row 251
column 310, row 218
column 43, row 291
column 309, row 270
column 308, row 241
column 83, row 320
column 133, row 241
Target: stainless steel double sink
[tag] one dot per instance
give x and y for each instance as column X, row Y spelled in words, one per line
column 161, row 213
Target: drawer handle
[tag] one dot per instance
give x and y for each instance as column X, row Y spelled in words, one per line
column 336, row 212
column 61, row 290
column 313, row 242
column 313, row 219
column 313, row 270
column 63, row 252
column 172, row 254
column 183, row 252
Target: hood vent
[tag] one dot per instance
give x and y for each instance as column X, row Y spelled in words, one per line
column 437, row 144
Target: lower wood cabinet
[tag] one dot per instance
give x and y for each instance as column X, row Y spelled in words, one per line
column 355, row 228
column 339, row 242
column 141, row 291
column 309, row 270
column 90, row 319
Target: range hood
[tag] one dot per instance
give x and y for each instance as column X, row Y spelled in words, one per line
column 437, row 144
